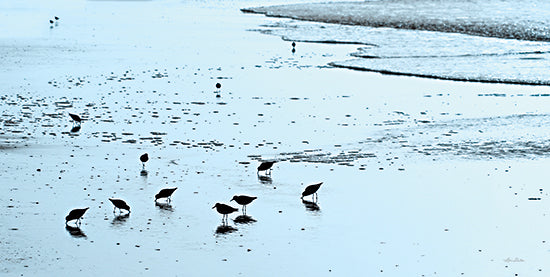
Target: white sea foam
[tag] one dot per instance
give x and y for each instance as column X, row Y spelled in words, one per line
column 490, row 41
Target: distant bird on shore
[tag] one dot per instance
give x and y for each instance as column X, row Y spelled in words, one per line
column 311, row 189
column 243, row 200
column 75, row 118
column 51, row 21
column 266, row 166
column 75, row 214
column 218, row 87
column 165, row 193
column 56, row 17
column 120, row 204
column 144, row 158
column 225, row 210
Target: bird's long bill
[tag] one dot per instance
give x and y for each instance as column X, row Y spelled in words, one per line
column 214, row 207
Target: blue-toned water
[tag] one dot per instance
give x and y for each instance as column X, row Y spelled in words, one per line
column 487, row 41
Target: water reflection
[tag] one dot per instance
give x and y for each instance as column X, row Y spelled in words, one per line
column 266, row 180
column 164, row 206
column 143, row 173
column 75, row 232
column 244, row 219
column 120, row 219
column 225, row 229
column 311, row 206
column 75, row 129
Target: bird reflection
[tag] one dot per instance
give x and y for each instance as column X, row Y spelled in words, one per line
column 311, row 206
column 143, row 173
column 225, row 229
column 75, row 232
column 244, row 219
column 266, row 180
column 75, row 129
column 120, row 219
column 164, row 206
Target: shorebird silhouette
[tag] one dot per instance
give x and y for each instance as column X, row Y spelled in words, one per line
column 311, row 189
column 144, row 158
column 120, row 204
column 75, row 214
column 75, row 118
column 243, row 200
column 266, row 166
column 225, row 210
column 165, row 193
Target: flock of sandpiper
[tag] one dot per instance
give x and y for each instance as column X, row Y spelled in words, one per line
column 223, row 209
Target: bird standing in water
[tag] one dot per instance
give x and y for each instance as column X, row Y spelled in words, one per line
column 225, row 210
column 120, row 204
column 75, row 118
column 75, row 214
column 144, row 158
column 243, row 200
column 311, row 189
column 266, row 166
column 165, row 193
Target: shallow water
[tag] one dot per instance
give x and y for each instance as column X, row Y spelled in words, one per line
column 421, row 177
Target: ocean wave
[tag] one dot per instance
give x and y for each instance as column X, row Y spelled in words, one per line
column 522, row 20
column 397, row 37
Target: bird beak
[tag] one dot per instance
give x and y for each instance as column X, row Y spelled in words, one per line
column 214, row 207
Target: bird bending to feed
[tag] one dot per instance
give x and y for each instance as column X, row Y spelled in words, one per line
column 165, row 193
column 243, row 200
column 144, row 158
column 225, row 210
column 311, row 189
column 266, row 166
column 120, row 204
column 75, row 118
column 75, row 214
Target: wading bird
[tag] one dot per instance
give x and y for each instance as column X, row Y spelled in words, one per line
column 120, row 204
column 144, row 158
column 75, row 118
column 311, row 189
column 243, row 200
column 165, row 193
column 225, row 210
column 266, row 166
column 75, row 214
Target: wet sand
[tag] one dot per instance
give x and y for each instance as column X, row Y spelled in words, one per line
column 421, row 177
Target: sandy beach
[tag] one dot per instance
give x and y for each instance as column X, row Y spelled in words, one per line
column 421, row 177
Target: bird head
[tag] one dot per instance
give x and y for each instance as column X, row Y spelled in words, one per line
column 215, row 205
column 233, row 199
